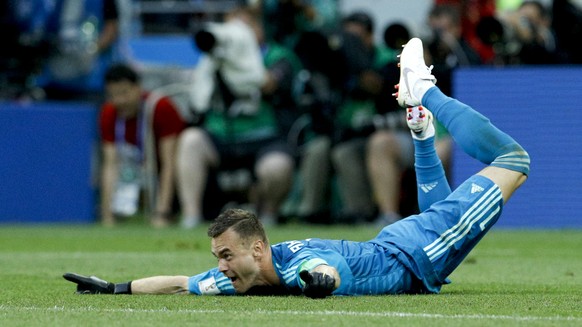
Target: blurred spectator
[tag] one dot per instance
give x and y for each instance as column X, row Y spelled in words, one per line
column 239, row 139
column 472, row 12
column 286, row 21
column 447, row 48
column 361, row 88
column 281, row 79
column 322, row 80
column 390, row 152
column 528, row 35
column 83, row 35
column 355, row 115
column 389, row 155
column 23, row 24
column 446, row 51
column 282, row 66
column 127, row 126
column 567, row 25
column 365, row 143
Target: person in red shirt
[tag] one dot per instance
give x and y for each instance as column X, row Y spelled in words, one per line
column 472, row 13
column 128, row 123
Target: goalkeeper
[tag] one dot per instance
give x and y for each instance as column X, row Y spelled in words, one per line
column 413, row 255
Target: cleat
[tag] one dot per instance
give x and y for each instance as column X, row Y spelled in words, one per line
column 419, row 120
column 413, row 69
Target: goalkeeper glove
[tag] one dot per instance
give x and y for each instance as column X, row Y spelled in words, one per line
column 317, row 285
column 95, row 285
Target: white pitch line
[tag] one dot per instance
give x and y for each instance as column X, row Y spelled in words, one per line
column 302, row 313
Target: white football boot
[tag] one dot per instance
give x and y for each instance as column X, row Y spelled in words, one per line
column 415, row 76
column 420, row 121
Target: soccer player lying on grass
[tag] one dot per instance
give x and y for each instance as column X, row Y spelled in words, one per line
column 413, row 255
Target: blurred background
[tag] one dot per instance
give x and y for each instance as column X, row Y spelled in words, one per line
column 518, row 62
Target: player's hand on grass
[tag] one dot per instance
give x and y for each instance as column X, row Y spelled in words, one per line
column 90, row 285
column 317, row 285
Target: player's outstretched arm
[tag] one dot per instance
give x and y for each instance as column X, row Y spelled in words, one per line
column 150, row 285
column 160, row 285
column 320, row 282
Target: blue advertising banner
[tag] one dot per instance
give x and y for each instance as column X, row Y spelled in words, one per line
column 540, row 108
column 46, row 154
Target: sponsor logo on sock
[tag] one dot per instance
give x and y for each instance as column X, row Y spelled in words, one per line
column 476, row 188
column 428, row 187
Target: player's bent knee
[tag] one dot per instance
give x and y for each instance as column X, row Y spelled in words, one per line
column 507, row 180
column 513, row 157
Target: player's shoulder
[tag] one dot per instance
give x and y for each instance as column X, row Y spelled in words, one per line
column 296, row 249
column 284, row 251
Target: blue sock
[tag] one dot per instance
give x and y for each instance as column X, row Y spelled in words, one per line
column 432, row 184
column 475, row 134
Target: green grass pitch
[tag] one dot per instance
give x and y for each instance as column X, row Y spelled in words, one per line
column 512, row 278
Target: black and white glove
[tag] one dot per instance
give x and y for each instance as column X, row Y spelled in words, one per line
column 317, row 285
column 95, row 285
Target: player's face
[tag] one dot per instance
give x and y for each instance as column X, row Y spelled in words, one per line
column 125, row 96
column 237, row 259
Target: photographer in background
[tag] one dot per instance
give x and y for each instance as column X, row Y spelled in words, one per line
column 239, row 141
column 447, row 48
column 341, row 149
column 528, row 35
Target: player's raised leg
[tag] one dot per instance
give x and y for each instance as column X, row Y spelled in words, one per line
column 450, row 229
column 473, row 132
column 508, row 161
column 432, row 184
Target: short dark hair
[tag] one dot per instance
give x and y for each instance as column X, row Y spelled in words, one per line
column 121, row 72
column 243, row 222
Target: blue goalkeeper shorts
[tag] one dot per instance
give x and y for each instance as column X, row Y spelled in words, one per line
column 438, row 239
